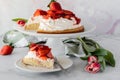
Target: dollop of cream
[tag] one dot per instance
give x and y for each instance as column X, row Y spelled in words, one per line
column 32, row 54
column 54, row 24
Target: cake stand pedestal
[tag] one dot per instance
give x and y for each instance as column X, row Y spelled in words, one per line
column 55, row 40
column 56, row 45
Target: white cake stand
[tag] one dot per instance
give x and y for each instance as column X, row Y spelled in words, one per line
column 55, row 40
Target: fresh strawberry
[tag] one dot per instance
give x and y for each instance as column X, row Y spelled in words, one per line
column 43, row 50
column 60, row 12
column 21, row 22
column 43, row 57
column 55, row 6
column 49, row 55
column 6, row 50
column 32, row 45
column 51, row 13
column 34, row 48
column 39, row 12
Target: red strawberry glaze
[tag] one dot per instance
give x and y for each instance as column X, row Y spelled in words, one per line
column 42, row 51
column 56, row 12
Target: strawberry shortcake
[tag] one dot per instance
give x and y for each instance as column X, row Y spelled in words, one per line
column 39, row 56
column 56, row 20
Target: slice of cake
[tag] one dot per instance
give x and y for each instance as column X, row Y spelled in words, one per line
column 39, row 56
column 54, row 21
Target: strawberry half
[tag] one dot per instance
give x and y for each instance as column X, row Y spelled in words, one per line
column 43, row 57
column 43, row 50
column 55, row 6
column 49, row 55
column 6, row 50
column 21, row 22
column 39, row 12
column 32, row 45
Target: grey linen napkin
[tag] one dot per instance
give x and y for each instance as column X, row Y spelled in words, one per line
column 73, row 47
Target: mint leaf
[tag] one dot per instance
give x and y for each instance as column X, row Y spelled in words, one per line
column 16, row 19
column 109, row 58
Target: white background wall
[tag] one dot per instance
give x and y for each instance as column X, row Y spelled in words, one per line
column 103, row 13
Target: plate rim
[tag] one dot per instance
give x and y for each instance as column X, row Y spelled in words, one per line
column 19, row 61
column 88, row 25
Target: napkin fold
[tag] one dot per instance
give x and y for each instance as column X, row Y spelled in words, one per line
column 18, row 39
column 72, row 47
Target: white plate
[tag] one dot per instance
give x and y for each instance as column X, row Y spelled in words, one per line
column 64, row 61
column 88, row 28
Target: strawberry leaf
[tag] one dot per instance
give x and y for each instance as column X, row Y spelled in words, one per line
column 51, row 2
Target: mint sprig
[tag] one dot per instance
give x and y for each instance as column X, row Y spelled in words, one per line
column 17, row 19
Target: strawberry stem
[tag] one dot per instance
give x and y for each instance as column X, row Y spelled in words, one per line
column 50, row 3
column 11, row 44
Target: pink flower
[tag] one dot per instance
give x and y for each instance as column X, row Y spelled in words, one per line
column 92, row 59
column 93, row 67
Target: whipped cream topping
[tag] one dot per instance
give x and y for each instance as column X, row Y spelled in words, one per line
column 32, row 54
column 54, row 24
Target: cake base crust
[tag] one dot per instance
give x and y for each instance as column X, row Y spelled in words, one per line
column 34, row 62
column 75, row 30
column 35, row 27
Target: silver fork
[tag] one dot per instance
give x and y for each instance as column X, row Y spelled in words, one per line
column 57, row 62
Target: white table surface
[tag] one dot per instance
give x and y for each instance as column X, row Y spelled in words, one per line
column 76, row 72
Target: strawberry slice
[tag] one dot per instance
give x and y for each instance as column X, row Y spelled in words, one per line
column 49, row 55
column 32, row 45
column 34, row 48
column 55, row 6
column 68, row 12
column 51, row 13
column 43, row 50
column 43, row 57
column 39, row 12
